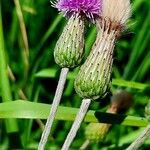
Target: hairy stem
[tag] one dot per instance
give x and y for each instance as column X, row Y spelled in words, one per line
column 56, row 101
column 140, row 140
column 78, row 120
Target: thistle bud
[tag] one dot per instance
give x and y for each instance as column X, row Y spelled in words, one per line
column 93, row 79
column 70, row 46
column 96, row 132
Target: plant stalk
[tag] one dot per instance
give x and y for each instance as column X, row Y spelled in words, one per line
column 55, row 104
column 140, row 140
column 76, row 125
column 25, row 51
column 11, row 124
column 23, row 28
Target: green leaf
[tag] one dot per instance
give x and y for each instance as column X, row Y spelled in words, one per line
column 46, row 73
column 137, row 50
column 31, row 110
column 51, row 73
column 11, row 125
column 129, row 84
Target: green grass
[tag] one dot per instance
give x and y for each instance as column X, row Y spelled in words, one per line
column 30, row 110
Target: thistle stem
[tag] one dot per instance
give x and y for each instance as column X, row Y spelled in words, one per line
column 78, row 120
column 140, row 140
column 56, row 101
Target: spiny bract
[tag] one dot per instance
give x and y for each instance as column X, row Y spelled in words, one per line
column 69, row 48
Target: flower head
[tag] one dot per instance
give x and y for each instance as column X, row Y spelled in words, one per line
column 94, row 78
column 69, row 48
column 89, row 8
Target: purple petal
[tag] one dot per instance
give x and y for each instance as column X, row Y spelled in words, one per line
column 89, row 8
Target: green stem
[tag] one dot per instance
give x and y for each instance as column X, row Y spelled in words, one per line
column 11, row 124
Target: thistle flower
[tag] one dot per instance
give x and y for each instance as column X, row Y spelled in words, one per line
column 94, row 78
column 88, row 8
column 116, row 11
column 69, row 48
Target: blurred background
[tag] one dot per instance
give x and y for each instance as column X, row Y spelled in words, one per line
column 31, row 29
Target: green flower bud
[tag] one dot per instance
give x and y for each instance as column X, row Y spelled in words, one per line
column 96, row 132
column 70, row 46
column 93, row 79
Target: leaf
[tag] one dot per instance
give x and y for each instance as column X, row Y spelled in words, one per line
column 31, row 110
column 129, row 84
column 51, row 73
column 46, row 73
column 137, row 50
column 11, row 125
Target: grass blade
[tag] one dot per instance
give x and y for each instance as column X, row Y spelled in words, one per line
column 30, row 110
column 11, row 125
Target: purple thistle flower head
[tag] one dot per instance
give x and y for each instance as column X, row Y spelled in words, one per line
column 89, row 8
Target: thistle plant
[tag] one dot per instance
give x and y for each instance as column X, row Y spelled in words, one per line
column 35, row 28
column 96, row 132
column 94, row 78
column 69, row 49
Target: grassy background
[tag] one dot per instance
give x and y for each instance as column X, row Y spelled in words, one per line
column 37, row 34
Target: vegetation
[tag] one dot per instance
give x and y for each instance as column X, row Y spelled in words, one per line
column 29, row 31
